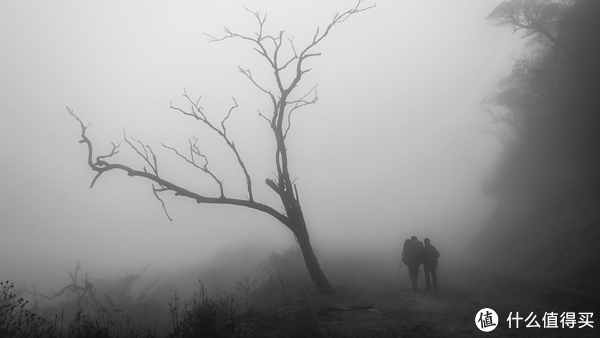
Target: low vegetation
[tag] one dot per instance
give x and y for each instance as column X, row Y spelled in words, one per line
column 127, row 307
column 373, row 304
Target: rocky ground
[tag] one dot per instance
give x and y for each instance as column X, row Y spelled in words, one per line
column 376, row 307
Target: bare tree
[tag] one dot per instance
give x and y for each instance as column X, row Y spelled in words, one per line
column 270, row 48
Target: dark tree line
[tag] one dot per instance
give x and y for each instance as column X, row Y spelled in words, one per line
column 547, row 111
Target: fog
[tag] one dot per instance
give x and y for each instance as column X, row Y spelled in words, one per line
column 393, row 148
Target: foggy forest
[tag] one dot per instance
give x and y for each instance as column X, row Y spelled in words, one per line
column 349, row 168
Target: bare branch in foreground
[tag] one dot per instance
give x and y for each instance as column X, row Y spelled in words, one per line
column 228, row 115
column 279, row 103
column 153, row 165
column 195, row 150
column 299, row 104
column 154, row 191
column 198, row 115
column 105, row 166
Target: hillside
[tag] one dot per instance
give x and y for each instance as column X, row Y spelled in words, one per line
column 552, row 246
column 546, row 181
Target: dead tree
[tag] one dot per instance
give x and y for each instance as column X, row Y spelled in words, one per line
column 279, row 120
column 82, row 293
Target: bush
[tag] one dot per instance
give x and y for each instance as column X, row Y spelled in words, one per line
column 76, row 312
column 15, row 319
column 203, row 316
column 284, row 275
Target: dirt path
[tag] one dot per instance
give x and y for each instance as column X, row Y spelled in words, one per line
column 378, row 309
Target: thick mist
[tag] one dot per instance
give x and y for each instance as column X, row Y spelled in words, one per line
column 392, row 149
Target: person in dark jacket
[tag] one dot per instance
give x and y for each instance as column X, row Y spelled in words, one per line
column 430, row 263
column 412, row 256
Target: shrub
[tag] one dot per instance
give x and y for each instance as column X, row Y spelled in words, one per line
column 284, row 275
column 15, row 319
column 203, row 316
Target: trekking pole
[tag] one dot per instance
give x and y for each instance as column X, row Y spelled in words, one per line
column 397, row 273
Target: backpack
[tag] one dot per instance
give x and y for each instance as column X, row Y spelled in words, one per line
column 430, row 256
column 412, row 252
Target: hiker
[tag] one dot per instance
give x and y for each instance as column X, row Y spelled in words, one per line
column 430, row 262
column 412, row 255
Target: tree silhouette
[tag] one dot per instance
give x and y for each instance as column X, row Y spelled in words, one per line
column 270, row 48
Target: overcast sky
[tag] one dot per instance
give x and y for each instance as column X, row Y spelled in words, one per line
column 392, row 148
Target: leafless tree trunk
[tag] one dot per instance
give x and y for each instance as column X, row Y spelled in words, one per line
column 279, row 120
